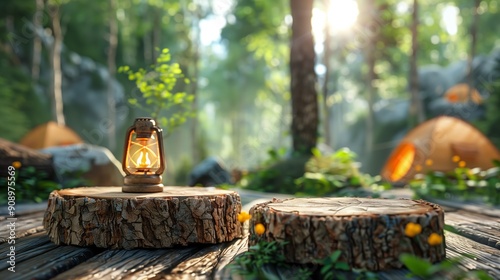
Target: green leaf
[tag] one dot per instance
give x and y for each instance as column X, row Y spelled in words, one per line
column 342, row 266
column 336, row 255
column 316, row 152
column 416, row 265
column 450, row 229
column 481, row 275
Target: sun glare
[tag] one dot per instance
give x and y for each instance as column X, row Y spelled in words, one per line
column 342, row 14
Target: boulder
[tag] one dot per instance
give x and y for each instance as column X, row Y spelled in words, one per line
column 209, row 172
column 97, row 165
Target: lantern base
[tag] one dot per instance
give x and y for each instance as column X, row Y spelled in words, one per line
column 142, row 184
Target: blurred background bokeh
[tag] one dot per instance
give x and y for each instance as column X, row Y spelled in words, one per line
column 64, row 55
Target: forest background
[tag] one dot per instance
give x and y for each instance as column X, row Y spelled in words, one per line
column 381, row 68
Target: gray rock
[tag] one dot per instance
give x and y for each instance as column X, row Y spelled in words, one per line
column 209, row 172
column 94, row 163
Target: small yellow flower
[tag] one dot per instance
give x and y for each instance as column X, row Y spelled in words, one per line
column 461, row 163
column 412, row 229
column 455, row 158
column 428, row 162
column 435, row 239
column 418, row 168
column 16, row 164
column 244, row 216
column 259, row 229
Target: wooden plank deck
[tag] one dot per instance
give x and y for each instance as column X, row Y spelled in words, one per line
column 37, row 258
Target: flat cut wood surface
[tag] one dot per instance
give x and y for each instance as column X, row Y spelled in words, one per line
column 116, row 192
column 38, row 258
column 346, row 206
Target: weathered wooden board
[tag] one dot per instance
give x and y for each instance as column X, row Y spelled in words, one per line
column 223, row 270
column 23, row 209
column 195, row 262
column 481, row 209
column 480, row 228
column 38, row 258
column 25, row 225
column 370, row 232
column 129, row 264
column 26, row 248
column 485, row 257
column 108, row 218
column 201, row 264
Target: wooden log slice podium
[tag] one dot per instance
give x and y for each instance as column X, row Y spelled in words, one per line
column 108, row 218
column 369, row 232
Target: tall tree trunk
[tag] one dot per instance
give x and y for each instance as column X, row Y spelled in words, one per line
column 303, row 78
column 326, row 62
column 195, row 139
column 416, row 111
column 148, row 48
column 473, row 43
column 37, row 42
column 156, row 33
column 191, row 20
column 113, row 41
column 370, row 124
column 13, row 48
column 56, row 83
column 370, row 50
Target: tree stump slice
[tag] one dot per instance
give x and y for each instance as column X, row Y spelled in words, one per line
column 106, row 217
column 369, row 232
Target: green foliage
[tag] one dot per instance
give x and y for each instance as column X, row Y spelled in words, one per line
column 464, row 184
column 319, row 175
column 74, row 179
column 87, row 41
column 31, row 185
column 264, row 253
column 253, row 263
column 332, row 264
column 158, row 93
column 278, row 176
column 19, row 11
column 489, row 124
column 20, row 109
column 182, row 171
column 248, row 83
column 14, row 123
column 450, row 267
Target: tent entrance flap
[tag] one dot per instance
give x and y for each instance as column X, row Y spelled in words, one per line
column 401, row 161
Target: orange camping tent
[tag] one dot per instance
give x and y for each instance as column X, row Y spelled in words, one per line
column 439, row 144
column 462, row 93
column 50, row 134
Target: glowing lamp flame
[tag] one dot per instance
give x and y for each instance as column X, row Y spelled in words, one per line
column 143, row 160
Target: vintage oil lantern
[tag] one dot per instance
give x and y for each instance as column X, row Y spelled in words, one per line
column 143, row 157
